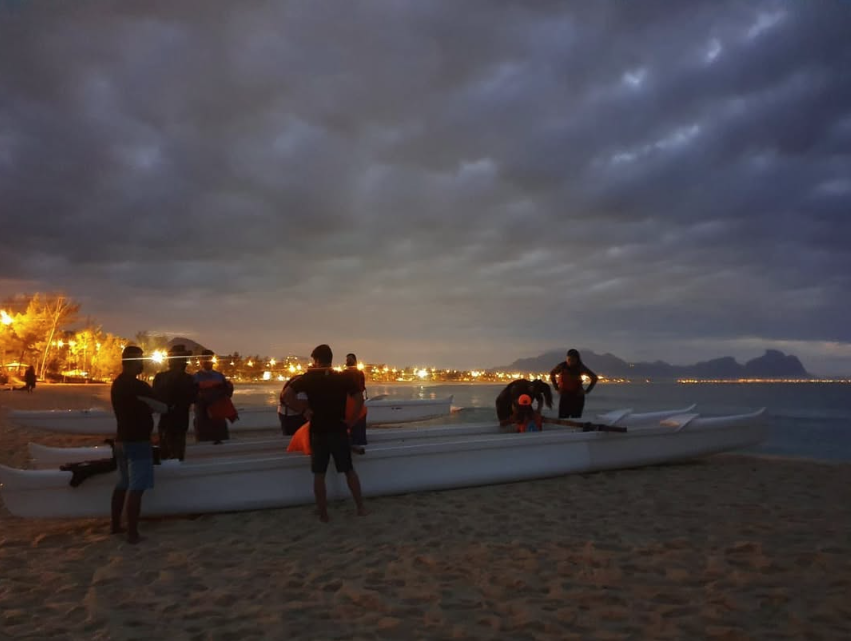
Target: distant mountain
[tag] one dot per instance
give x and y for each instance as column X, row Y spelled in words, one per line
column 772, row 364
column 188, row 343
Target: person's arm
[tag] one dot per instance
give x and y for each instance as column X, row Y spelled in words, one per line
column 553, row 373
column 590, row 375
column 291, row 400
column 147, row 396
column 357, row 406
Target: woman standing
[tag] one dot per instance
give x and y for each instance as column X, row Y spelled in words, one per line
column 566, row 377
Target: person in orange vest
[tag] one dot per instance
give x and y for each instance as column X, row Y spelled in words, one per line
column 358, row 432
column 525, row 417
column 566, row 377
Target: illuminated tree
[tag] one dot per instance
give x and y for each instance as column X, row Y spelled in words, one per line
column 49, row 314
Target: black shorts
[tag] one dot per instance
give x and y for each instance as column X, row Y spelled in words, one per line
column 330, row 444
column 571, row 405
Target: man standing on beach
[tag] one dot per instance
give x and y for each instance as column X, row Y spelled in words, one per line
column 358, row 431
column 176, row 388
column 213, row 408
column 327, row 392
column 133, row 402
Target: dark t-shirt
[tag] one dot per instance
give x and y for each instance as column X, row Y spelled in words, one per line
column 133, row 417
column 176, row 388
column 326, row 395
column 357, row 376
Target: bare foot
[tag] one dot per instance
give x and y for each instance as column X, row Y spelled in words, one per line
column 357, row 449
column 133, row 540
column 362, row 511
column 324, row 517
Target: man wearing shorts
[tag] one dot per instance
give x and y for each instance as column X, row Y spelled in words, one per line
column 133, row 402
column 325, row 407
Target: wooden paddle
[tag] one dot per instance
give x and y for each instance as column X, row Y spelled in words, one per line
column 586, row 426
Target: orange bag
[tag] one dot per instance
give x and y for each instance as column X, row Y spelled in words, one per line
column 350, row 411
column 300, row 441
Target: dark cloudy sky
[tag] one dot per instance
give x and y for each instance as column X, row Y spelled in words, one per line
column 448, row 183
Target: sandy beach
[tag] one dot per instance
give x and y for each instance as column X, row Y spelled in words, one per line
column 731, row 547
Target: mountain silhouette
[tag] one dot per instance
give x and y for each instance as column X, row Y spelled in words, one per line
column 191, row 346
column 772, row 364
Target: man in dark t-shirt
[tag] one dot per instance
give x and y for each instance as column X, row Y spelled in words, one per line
column 133, row 402
column 358, row 431
column 176, row 388
column 325, row 407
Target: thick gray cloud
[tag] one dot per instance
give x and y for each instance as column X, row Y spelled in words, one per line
column 452, row 183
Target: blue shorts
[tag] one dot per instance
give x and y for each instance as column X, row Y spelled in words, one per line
column 135, row 465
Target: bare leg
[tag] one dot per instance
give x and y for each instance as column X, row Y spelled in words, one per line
column 117, row 509
column 354, row 487
column 134, row 508
column 321, row 497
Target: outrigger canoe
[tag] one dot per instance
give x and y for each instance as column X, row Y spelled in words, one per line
column 381, row 411
column 392, row 467
column 45, row 456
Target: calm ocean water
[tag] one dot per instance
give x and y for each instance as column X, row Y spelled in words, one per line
column 809, row 420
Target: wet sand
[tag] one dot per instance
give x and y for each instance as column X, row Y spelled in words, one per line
column 731, row 547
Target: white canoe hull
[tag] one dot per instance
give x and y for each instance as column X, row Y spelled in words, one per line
column 100, row 421
column 395, row 467
column 43, row 456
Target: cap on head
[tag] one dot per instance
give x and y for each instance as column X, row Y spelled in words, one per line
column 322, row 354
column 131, row 353
column 524, row 399
column 208, row 352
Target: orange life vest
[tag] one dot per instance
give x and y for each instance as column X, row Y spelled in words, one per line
column 300, row 441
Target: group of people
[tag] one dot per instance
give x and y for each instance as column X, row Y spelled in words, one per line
column 208, row 391
column 292, row 418
column 521, row 402
column 332, row 401
column 173, row 394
